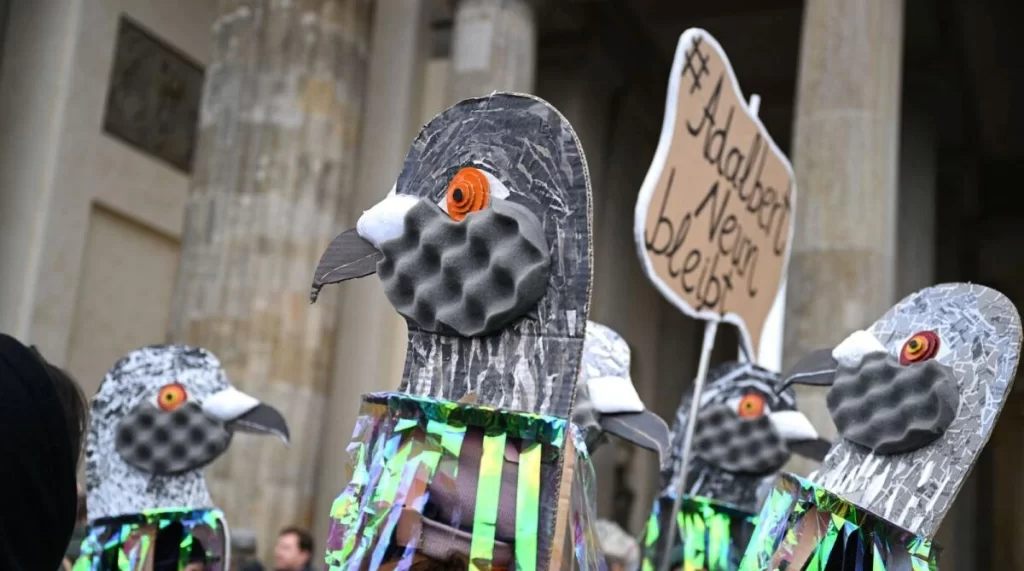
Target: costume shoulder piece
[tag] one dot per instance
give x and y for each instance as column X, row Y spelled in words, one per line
column 914, row 398
column 748, row 428
column 484, row 247
column 160, row 416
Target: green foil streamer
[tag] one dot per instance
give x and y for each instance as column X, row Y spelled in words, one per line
column 528, row 506
column 804, row 527
column 712, row 535
column 389, row 459
column 488, row 493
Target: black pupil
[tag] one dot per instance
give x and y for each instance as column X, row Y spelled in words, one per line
column 457, row 195
column 913, row 344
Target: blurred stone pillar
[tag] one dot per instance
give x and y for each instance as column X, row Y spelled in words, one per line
column 494, row 48
column 274, row 167
column 372, row 337
column 842, row 273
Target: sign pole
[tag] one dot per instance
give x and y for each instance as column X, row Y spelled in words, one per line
column 710, row 329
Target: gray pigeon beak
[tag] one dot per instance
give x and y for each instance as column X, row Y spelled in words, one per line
column 348, row 256
column 263, row 419
column 645, row 429
column 243, row 413
column 817, row 369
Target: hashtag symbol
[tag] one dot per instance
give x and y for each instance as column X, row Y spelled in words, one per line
column 701, row 59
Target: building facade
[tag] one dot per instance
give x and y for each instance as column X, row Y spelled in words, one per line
column 172, row 171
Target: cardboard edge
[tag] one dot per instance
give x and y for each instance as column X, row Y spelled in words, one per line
column 559, row 540
column 650, row 183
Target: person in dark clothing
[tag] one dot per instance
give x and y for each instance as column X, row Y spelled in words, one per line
column 43, row 415
column 167, row 550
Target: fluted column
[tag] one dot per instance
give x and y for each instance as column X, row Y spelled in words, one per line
column 842, row 274
column 494, row 48
column 275, row 166
column 372, row 337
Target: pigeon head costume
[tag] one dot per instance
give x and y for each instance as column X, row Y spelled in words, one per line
column 914, row 398
column 483, row 245
column 161, row 415
column 747, row 429
column 606, row 400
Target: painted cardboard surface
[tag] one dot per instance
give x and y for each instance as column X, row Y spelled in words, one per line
column 528, row 145
column 714, row 217
column 533, row 364
column 980, row 335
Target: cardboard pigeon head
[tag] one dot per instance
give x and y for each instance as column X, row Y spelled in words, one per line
column 915, row 398
column 607, row 401
column 748, row 428
column 483, row 245
column 161, row 415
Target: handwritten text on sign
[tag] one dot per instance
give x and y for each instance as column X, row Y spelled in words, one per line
column 718, row 223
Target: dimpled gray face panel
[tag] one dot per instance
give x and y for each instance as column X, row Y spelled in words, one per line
column 163, row 443
column 736, row 444
column 525, row 143
column 980, row 332
column 889, row 408
column 470, row 277
column 705, row 479
column 115, row 487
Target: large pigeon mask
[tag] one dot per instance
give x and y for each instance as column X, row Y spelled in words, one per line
column 483, row 245
column 915, row 398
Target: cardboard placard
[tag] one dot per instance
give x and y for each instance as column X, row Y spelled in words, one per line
column 714, row 218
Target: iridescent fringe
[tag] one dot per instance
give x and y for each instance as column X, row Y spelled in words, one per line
column 124, row 543
column 803, row 527
column 402, row 441
column 711, row 535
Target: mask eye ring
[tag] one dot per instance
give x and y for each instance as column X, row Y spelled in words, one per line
column 171, row 397
column 468, row 191
column 921, row 346
column 751, row 406
column 495, row 189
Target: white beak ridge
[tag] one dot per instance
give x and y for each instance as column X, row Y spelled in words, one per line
column 793, row 426
column 385, row 220
column 229, row 404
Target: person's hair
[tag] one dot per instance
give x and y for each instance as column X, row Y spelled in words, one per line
column 304, row 537
column 72, row 400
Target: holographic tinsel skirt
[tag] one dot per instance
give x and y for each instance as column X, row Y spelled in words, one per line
column 404, row 445
column 803, row 527
column 127, row 543
column 711, row 535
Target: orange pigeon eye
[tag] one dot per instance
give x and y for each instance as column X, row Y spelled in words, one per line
column 171, row 396
column 467, row 192
column 751, row 406
column 921, row 347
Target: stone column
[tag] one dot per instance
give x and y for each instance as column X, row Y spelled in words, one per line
column 494, row 48
column 842, row 273
column 372, row 337
column 274, row 168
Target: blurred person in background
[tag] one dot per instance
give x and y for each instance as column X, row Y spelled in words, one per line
column 243, row 551
column 294, row 550
column 621, row 551
column 43, row 415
